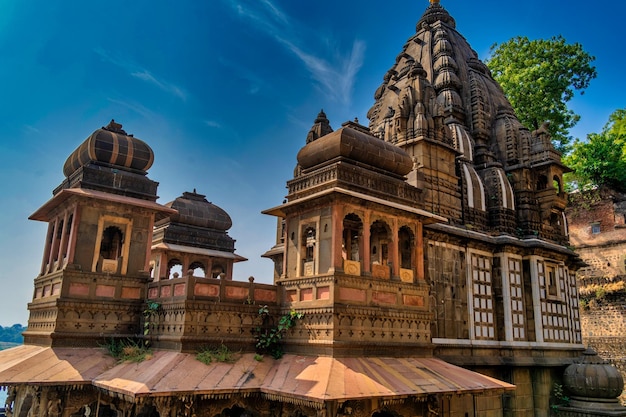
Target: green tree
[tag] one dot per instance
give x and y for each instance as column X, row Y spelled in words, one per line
column 601, row 159
column 539, row 77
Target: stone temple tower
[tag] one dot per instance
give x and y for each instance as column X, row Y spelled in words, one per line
column 96, row 258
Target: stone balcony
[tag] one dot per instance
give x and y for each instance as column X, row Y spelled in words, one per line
column 196, row 312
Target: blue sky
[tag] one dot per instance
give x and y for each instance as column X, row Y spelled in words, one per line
column 224, row 91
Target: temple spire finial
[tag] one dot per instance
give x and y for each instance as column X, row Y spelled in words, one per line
column 434, row 1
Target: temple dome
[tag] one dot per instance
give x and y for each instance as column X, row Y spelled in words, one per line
column 111, row 146
column 591, row 377
column 194, row 210
column 352, row 144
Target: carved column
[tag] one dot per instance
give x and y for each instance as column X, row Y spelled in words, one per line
column 394, row 249
column 64, row 239
column 337, row 238
column 71, row 243
column 365, row 244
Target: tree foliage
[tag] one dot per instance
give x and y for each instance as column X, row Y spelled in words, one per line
column 539, row 77
column 12, row 334
column 601, row 159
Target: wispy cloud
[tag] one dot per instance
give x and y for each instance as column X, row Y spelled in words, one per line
column 256, row 83
column 333, row 71
column 213, row 123
column 137, row 108
column 143, row 74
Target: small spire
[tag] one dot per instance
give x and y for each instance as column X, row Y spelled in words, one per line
column 434, row 1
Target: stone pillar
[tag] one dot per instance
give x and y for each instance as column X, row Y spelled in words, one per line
column 71, row 243
column 419, row 252
column 64, row 240
column 364, row 244
column 54, row 246
column 534, row 280
column 506, row 298
column 394, row 249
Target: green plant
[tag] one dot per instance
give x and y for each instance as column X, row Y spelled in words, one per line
column 219, row 354
column 127, row 350
column 258, row 358
column 269, row 338
column 558, row 398
column 151, row 310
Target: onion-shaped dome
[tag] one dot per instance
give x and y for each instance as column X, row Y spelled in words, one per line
column 463, row 142
column 592, row 377
column 111, row 146
column 474, row 188
column 353, row 145
column 194, row 209
column 498, row 188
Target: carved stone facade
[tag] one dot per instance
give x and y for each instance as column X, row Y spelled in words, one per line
column 424, row 256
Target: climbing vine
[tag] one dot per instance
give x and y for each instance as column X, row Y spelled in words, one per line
column 269, row 339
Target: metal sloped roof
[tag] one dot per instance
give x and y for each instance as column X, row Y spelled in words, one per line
column 313, row 379
column 39, row 365
column 293, row 378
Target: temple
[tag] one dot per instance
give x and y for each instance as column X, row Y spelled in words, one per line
column 420, row 269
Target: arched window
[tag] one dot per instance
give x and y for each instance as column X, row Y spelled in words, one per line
column 379, row 243
column 542, row 182
column 111, row 244
column 174, row 269
column 198, row 269
column 235, row 411
column 556, row 183
column 352, row 230
column 309, row 241
column 217, row 270
column 405, row 246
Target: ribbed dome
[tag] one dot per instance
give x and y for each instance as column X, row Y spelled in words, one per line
column 111, row 146
column 194, row 209
column 593, row 378
column 353, row 145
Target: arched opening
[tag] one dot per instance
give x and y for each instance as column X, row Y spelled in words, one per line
column 406, row 243
column 307, row 245
column 198, row 269
column 217, row 271
column 379, row 243
column 379, row 249
column 58, row 239
column 174, row 269
column 385, row 413
column 236, row 411
column 542, row 182
column 352, row 230
column 556, row 183
column 111, row 243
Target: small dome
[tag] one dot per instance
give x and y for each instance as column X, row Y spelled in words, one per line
column 111, row 146
column 351, row 144
column 193, row 209
column 592, row 377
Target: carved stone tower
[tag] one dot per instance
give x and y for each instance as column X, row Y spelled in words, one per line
column 96, row 258
column 353, row 245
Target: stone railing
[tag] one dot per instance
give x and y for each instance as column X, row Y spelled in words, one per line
column 196, row 288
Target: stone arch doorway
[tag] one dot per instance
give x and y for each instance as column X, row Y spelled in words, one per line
column 236, row 411
column 385, row 413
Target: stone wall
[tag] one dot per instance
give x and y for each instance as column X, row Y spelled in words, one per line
column 597, row 230
column 604, row 328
